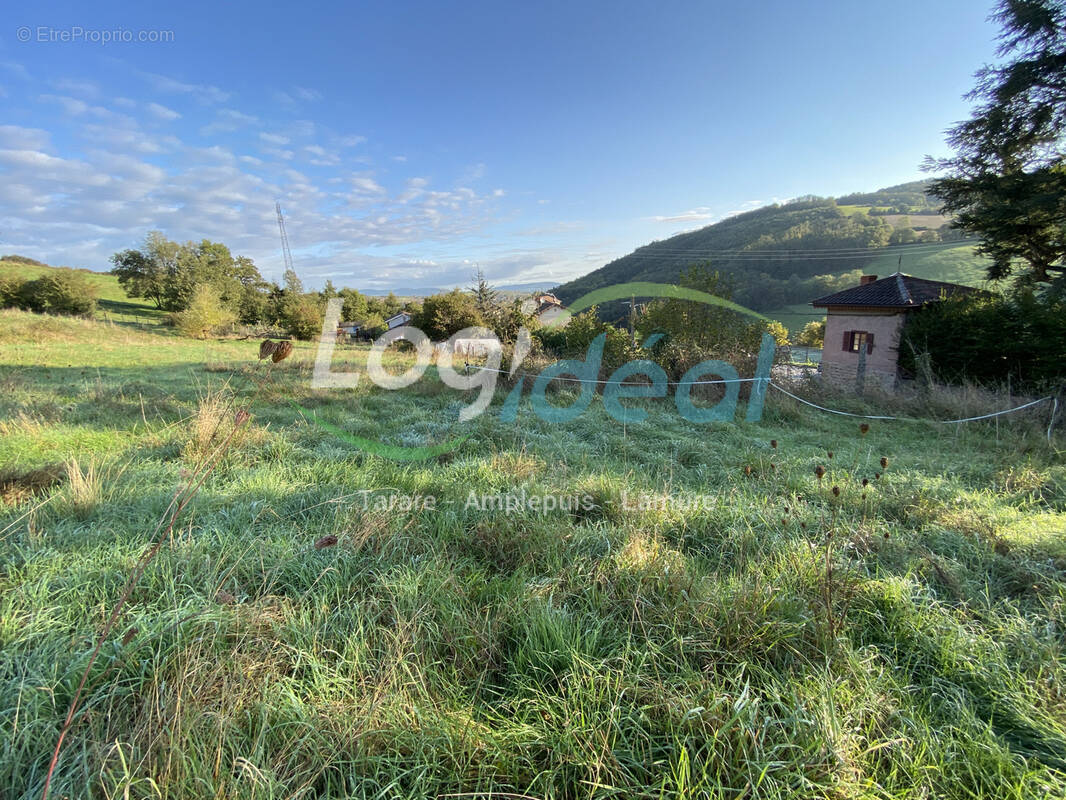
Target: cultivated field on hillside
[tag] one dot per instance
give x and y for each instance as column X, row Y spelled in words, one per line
column 713, row 621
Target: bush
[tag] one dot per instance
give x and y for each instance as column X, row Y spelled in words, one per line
column 301, row 316
column 205, row 315
column 446, row 313
column 694, row 331
column 61, row 291
column 778, row 331
column 11, row 289
column 989, row 339
column 812, row 334
column 583, row 329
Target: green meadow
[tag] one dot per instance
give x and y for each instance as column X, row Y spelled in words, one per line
column 703, row 616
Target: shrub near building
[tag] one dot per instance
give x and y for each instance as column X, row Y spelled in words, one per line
column 991, row 339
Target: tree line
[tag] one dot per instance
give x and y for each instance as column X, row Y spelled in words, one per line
column 206, row 288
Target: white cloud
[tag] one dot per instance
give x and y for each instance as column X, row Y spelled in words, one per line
column 293, row 97
column 278, row 152
column 73, row 106
column 16, row 69
column 699, row 214
column 128, row 177
column 84, row 88
column 750, row 205
column 128, row 137
column 200, row 92
column 321, row 157
column 365, row 185
column 162, row 112
column 228, row 120
column 301, row 127
column 19, row 138
column 473, row 174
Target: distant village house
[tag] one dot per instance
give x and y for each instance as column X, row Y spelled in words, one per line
column 548, row 308
column 396, row 320
column 353, row 330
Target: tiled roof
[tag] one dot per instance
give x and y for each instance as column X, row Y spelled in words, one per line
column 895, row 291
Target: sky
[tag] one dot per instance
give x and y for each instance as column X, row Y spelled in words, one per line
column 412, row 143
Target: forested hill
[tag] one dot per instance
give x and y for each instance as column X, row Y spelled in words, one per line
column 782, row 255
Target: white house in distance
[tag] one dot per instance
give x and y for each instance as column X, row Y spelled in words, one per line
column 352, row 329
column 396, row 320
column 870, row 317
column 548, row 308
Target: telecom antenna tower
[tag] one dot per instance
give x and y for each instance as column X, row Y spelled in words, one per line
column 284, row 237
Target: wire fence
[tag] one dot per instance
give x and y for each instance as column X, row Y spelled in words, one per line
column 770, row 383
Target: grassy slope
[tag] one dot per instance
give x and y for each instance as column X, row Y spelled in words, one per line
column 954, row 265
column 793, row 226
column 618, row 652
column 113, row 304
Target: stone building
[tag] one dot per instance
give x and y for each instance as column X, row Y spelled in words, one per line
column 869, row 317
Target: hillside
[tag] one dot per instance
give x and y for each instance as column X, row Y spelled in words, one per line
column 781, row 256
column 112, row 303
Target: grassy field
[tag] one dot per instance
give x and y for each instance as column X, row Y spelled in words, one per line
column 794, row 317
column 952, row 264
column 707, row 618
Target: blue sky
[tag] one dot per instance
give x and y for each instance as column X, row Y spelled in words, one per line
column 410, row 143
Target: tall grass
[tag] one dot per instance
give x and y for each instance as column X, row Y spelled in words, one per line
column 291, row 638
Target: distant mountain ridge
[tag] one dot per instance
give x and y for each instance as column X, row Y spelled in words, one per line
column 783, row 255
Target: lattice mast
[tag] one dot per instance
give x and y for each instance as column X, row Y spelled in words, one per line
column 284, row 237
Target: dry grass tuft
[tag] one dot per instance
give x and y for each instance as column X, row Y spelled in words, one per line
column 206, row 428
column 84, row 488
column 214, row 421
column 88, row 487
column 517, row 465
column 23, row 424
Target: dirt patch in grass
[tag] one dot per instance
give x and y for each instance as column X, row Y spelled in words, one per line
column 17, row 486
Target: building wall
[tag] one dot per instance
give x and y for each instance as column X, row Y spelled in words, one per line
column 841, row 366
